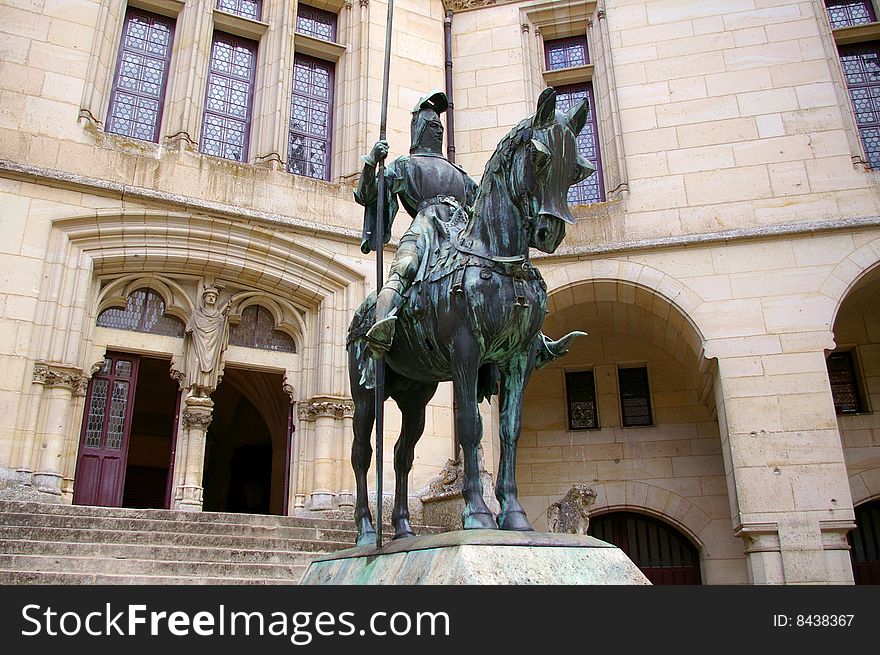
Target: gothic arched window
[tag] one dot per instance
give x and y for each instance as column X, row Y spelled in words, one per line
column 144, row 312
column 257, row 330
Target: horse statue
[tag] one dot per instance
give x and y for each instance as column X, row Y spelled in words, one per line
column 475, row 318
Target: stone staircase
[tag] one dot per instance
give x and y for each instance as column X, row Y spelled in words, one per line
column 63, row 544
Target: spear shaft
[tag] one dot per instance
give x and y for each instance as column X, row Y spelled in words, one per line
column 380, row 275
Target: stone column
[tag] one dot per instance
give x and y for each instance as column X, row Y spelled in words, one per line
column 61, row 386
column 197, row 415
column 787, row 479
column 346, row 493
column 327, row 417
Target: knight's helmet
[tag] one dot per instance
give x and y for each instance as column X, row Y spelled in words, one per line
column 427, row 109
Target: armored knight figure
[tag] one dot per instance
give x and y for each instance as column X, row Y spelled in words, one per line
column 435, row 192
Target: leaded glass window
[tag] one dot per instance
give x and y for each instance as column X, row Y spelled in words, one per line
column 861, row 68
column 311, row 105
column 141, row 74
column 592, row 189
column 844, row 383
column 566, row 53
column 316, row 23
column 246, row 8
column 846, row 13
column 257, row 330
column 97, row 408
column 229, row 97
column 635, row 397
column 580, row 390
column 144, row 312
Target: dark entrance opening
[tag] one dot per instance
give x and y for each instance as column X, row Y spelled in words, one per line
column 153, row 435
column 662, row 553
column 247, row 444
column 864, row 544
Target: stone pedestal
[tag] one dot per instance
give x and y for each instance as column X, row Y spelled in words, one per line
column 480, row 557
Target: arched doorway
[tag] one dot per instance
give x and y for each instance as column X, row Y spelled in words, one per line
column 662, row 553
column 247, row 444
column 864, row 543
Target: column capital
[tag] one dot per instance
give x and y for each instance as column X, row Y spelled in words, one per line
column 60, row 376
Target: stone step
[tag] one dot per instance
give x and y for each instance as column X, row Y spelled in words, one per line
column 56, row 578
column 269, row 520
column 87, row 535
column 183, row 527
column 147, row 567
column 152, row 551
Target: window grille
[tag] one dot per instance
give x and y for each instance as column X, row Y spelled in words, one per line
column 580, row 389
column 635, row 397
column 861, row 68
column 844, row 383
column 141, row 77
column 846, row 13
column 229, row 97
column 311, row 106
column 257, row 330
column 566, row 53
column 144, row 312
column 316, row 23
column 245, row 8
column 592, row 189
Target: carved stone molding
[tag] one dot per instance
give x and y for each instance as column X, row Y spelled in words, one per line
column 290, row 391
column 197, row 418
column 466, row 5
column 61, row 377
column 364, row 3
column 524, row 27
column 323, row 407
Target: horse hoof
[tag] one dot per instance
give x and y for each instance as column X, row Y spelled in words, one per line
column 366, row 539
column 478, row 521
column 402, row 529
column 514, row 521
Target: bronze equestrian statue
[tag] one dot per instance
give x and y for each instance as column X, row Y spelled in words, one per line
column 464, row 302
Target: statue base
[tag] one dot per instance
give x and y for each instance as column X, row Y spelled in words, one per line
column 479, row 557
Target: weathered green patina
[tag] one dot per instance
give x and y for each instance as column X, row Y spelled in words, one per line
column 473, row 314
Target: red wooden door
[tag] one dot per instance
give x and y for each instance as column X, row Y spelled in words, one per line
column 103, row 447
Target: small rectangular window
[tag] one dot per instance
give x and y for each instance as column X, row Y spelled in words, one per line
column 846, row 13
column 229, row 97
column 138, row 93
column 844, row 383
column 635, row 397
column 311, row 108
column 317, row 23
column 580, row 390
column 244, row 8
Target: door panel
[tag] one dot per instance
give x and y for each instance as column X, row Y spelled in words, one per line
column 100, row 470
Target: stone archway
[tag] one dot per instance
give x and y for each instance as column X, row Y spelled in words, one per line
column 670, row 463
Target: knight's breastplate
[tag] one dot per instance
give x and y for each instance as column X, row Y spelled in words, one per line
column 429, row 177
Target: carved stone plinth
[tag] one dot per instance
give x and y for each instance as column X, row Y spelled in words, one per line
column 492, row 557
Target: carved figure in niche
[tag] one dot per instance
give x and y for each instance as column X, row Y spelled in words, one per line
column 204, row 341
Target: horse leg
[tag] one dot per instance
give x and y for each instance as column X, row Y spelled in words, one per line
column 514, row 376
column 412, row 407
column 361, row 456
column 469, row 424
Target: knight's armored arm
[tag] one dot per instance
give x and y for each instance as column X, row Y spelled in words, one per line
column 367, row 190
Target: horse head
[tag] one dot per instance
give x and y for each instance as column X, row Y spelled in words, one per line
column 549, row 164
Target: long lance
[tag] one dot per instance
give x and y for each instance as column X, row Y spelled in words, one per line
column 380, row 275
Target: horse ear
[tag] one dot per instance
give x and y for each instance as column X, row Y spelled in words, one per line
column 577, row 116
column 546, row 108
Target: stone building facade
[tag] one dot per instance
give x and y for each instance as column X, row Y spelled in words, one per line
column 725, row 264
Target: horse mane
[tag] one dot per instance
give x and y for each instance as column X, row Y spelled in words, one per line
column 504, row 149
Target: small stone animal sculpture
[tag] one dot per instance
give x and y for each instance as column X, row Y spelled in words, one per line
column 571, row 513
